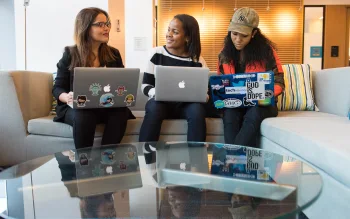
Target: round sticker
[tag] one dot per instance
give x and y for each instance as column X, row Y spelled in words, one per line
column 108, row 156
column 106, row 100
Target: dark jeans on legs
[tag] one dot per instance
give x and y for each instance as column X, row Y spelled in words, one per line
column 242, row 125
column 84, row 124
column 157, row 111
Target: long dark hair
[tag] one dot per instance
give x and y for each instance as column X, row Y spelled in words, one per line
column 81, row 53
column 258, row 51
column 191, row 28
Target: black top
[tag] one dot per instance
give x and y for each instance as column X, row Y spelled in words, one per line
column 65, row 77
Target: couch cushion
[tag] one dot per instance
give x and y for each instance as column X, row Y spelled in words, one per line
column 298, row 93
column 304, row 114
column 322, row 141
column 46, row 126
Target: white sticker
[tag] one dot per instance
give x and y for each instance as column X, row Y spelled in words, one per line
column 264, row 78
column 235, row 90
column 255, row 159
column 232, row 103
column 255, row 90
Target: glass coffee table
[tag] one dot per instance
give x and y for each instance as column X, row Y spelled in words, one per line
column 160, row 180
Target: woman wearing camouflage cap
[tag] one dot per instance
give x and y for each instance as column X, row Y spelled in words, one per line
column 247, row 50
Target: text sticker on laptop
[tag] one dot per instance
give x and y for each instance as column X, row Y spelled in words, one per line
column 242, row 90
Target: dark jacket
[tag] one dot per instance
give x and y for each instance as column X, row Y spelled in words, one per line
column 65, row 77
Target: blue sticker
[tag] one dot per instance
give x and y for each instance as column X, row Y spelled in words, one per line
column 238, row 84
column 219, row 104
column 106, row 100
column 108, row 156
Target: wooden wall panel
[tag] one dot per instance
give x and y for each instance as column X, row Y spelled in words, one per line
column 335, row 35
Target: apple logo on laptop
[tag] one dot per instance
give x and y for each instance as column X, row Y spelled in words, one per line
column 182, row 84
column 183, row 166
column 107, row 88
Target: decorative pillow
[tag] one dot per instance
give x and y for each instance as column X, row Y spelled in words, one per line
column 298, row 93
column 54, row 101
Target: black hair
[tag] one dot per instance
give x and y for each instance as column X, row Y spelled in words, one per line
column 83, row 97
column 258, row 50
column 191, row 28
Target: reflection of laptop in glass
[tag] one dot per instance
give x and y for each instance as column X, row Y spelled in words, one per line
column 183, row 84
column 107, row 169
column 177, row 163
column 242, row 90
column 105, row 87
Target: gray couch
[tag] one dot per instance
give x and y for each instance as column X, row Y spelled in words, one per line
column 319, row 138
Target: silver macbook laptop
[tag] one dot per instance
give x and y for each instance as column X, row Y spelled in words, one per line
column 179, row 161
column 105, row 87
column 181, row 84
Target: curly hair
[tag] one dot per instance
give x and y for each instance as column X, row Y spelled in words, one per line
column 258, row 50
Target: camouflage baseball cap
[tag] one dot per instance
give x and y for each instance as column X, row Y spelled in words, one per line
column 244, row 20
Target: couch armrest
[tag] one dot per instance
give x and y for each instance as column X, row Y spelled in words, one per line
column 332, row 90
column 23, row 96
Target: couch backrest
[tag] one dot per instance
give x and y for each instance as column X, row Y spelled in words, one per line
column 141, row 99
column 332, row 90
column 31, row 89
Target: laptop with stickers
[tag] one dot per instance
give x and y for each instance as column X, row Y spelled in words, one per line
column 105, row 87
column 181, row 84
column 107, row 169
column 242, row 90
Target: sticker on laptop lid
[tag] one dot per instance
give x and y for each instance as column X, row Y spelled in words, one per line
column 226, row 82
column 217, row 87
column 98, row 171
column 108, row 157
column 236, row 90
column 255, row 90
column 263, row 175
column 129, row 99
column 264, row 78
column 248, row 102
column 269, row 93
column 219, row 104
column 121, row 90
column 122, row 165
column 95, row 88
column 232, row 103
column 131, row 154
column 106, row 100
column 83, row 159
column 81, row 100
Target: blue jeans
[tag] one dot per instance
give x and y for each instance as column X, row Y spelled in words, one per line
column 157, row 111
column 242, row 125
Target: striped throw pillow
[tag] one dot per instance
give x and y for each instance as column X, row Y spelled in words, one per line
column 54, row 101
column 298, row 93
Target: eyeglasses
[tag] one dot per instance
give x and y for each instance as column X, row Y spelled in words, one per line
column 102, row 24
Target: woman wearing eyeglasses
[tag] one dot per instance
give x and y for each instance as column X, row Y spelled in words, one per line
column 91, row 34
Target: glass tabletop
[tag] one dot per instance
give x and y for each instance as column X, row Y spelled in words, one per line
column 160, row 180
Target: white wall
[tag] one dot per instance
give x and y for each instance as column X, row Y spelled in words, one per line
column 138, row 24
column 327, row 2
column 313, row 35
column 7, row 36
column 50, row 26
